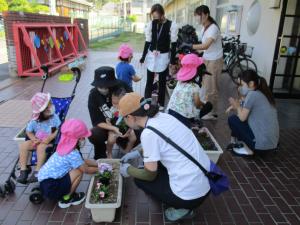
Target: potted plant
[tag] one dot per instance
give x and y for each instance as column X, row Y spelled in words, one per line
column 208, row 143
column 123, row 128
column 105, row 191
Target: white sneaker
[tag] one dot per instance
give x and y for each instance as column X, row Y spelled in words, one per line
column 161, row 108
column 244, row 151
column 209, row 117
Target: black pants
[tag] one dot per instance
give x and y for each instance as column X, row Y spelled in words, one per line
column 188, row 121
column 160, row 189
column 99, row 137
column 162, row 85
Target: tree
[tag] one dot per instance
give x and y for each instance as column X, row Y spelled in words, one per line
column 25, row 6
column 100, row 3
column 3, row 5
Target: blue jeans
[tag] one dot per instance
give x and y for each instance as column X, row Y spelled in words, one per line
column 241, row 131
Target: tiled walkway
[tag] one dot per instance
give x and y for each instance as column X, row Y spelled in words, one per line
column 263, row 191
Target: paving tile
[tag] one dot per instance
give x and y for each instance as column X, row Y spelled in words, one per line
column 142, row 212
column 267, row 219
column 58, row 214
column 292, row 219
column 12, row 218
column 156, row 219
column 41, row 218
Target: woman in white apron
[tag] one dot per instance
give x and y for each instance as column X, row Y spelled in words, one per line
column 159, row 51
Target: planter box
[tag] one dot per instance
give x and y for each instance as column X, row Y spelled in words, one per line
column 104, row 212
column 20, row 137
column 212, row 154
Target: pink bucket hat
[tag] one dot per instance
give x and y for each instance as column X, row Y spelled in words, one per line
column 189, row 65
column 39, row 103
column 125, row 51
column 71, row 131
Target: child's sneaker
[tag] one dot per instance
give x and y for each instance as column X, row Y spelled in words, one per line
column 75, row 199
column 23, row 176
column 33, row 178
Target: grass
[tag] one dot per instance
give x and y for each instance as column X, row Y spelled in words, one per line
column 133, row 39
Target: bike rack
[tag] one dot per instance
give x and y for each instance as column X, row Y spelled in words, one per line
column 52, row 45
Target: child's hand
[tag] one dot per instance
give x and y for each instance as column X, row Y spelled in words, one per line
column 229, row 109
column 36, row 141
column 127, row 134
column 117, row 132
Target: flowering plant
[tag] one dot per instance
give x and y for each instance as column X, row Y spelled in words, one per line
column 101, row 191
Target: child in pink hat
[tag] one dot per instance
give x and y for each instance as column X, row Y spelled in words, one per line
column 61, row 174
column 40, row 132
column 185, row 103
column 125, row 71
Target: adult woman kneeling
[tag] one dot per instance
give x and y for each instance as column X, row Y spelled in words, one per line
column 256, row 122
column 167, row 174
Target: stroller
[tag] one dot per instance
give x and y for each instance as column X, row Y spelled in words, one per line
column 61, row 109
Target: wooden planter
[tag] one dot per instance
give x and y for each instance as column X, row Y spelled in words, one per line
column 104, row 212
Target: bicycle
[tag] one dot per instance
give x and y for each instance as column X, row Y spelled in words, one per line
column 236, row 57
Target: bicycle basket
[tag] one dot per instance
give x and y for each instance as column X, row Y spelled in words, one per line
column 249, row 51
column 241, row 48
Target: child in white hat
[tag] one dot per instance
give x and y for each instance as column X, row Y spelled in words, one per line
column 41, row 131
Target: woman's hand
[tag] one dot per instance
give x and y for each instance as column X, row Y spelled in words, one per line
column 234, row 103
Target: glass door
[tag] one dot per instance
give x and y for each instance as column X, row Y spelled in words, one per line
column 285, row 76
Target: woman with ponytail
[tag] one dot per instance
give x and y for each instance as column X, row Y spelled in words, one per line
column 211, row 39
column 256, row 122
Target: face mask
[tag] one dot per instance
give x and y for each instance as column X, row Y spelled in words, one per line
column 198, row 18
column 103, row 91
column 81, row 143
column 244, row 90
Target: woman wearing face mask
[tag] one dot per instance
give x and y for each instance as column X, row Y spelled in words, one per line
column 213, row 55
column 101, row 108
column 256, row 122
column 161, row 37
column 40, row 131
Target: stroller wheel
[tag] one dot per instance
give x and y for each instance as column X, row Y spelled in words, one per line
column 36, row 197
column 37, row 188
column 2, row 191
column 10, row 186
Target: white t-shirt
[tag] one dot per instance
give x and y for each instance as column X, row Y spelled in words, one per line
column 215, row 50
column 187, row 181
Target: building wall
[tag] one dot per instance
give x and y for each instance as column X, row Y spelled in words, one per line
column 264, row 40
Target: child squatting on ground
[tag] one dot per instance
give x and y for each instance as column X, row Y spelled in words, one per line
column 185, row 103
column 40, row 131
column 127, row 140
column 125, row 71
column 62, row 173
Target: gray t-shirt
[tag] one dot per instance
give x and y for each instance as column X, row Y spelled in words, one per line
column 262, row 120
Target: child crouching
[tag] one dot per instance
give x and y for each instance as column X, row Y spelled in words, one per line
column 62, row 173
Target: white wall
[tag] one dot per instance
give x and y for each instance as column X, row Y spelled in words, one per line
column 264, row 40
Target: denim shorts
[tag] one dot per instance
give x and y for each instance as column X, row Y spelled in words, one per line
column 56, row 188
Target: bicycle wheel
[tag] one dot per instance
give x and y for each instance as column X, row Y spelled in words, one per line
column 240, row 66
